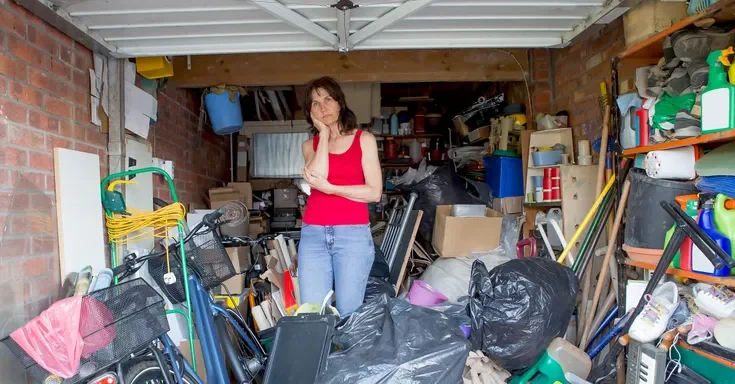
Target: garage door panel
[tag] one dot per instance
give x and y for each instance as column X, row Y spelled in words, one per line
column 502, row 12
column 155, row 19
column 479, row 41
column 178, row 32
column 533, row 3
column 483, row 25
column 147, row 6
column 463, row 35
column 163, row 43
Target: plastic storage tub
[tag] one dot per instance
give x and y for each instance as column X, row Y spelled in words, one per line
column 543, row 158
column 504, row 175
column 646, row 222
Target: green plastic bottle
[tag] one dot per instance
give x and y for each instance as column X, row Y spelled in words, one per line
column 718, row 98
column 725, row 220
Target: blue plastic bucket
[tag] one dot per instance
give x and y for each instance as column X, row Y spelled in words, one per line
column 224, row 114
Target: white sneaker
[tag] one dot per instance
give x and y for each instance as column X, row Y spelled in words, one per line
column 651, row 322
column 714, row 301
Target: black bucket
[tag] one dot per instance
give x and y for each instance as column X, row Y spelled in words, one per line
column 646, row 222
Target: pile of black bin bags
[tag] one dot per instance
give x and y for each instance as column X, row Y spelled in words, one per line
column 516, row 310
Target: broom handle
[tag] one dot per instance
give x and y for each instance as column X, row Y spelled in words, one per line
column 603, row 271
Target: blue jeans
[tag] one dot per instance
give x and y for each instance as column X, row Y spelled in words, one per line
column 338, row 257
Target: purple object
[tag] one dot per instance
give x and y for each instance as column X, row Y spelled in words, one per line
column 424, row 294
column 466, row 330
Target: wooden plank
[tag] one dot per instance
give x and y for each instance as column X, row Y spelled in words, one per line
column 577, row 196
column 653, row 46
column 704, row 139
column 79, row 211
column 294, row 68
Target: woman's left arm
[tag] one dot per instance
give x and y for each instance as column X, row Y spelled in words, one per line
column 372, row 190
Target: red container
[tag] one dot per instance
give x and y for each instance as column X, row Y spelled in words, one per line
column 547, row 194
column 391, row 149
column 644, row 130
column 548, row 173
column 547, row 183
column 555, row 193
column 418, row 124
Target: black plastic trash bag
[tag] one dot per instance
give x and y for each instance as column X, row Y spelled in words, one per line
column 377, row 287
column 444, row 187
column 391, row 341
column 519, row 307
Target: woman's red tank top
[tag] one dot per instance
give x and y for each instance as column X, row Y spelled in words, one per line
column 344, row 169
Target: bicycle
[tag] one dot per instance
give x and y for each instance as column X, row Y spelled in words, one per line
column 217, row 325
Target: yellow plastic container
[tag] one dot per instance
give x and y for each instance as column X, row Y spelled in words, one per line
column 154, row 67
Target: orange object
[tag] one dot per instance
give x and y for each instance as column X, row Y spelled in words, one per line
column 288, row 294
column 730, row 204
column 251, row 303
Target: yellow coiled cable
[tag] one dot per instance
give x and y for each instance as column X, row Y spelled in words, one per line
column 141, row 225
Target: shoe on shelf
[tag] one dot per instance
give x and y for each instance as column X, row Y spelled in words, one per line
column 651, row 322
column 718, row 302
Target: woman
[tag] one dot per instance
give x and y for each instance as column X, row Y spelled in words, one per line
column 342, row 167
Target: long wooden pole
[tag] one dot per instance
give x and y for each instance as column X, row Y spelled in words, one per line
column 608, row 254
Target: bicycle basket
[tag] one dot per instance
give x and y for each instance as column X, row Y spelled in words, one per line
column 205, row 256
column 115, row 322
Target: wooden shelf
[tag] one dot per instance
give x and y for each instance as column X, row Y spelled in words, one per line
column 726, row 281
column 414, row 136
column 543, row 204
column 703, row 139
column 545, row 166
column 653, row 46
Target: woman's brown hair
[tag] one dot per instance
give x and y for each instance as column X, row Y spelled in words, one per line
column 347, row 118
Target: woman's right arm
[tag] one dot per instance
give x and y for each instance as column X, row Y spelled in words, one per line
column 317, row 161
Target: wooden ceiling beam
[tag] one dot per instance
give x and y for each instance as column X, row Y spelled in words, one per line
column 387, row 66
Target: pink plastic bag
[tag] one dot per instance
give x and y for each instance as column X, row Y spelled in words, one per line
column 53, row 339
column 70, row 329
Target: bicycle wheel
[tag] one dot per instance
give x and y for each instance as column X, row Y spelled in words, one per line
column 148, row 372
column 251, row 361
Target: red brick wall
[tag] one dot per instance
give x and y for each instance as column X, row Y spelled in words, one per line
column 44, row 103
column 541, row 81
column 578, row 71
column 198, row 164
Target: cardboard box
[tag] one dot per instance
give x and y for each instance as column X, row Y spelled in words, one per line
column 239, row 256
column 246, row 190
column 508, row 205
column 460, row 236
column 650, row 17
column 233, row 191
column 259, row 225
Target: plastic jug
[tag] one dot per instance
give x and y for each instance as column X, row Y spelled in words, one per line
column 683, row 257
column 560, row 357
column 725, row 220
column 394, row 124
column 718, row 98
column 700, row 263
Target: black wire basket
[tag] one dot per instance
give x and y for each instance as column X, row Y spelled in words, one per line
column 205, row 256
column 115, row 322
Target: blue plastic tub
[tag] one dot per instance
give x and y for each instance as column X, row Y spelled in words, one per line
column 504, row 175
column 225, row 115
